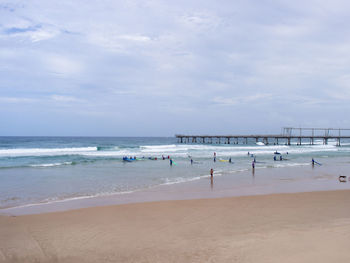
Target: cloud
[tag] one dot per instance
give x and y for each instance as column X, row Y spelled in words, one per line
column 125, row 92
column 34, row 32
column 17, row 100
column 64, row 98
column 137, row 38
column 62, row 65
column 17, row 30
column 178, row 58
column 231, row 101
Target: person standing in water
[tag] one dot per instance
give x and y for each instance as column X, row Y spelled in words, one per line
column 171, row 162
column 191, row 161
column 211, row 173
column 229, row 160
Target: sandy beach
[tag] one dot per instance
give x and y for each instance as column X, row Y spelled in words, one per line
column 299, row 227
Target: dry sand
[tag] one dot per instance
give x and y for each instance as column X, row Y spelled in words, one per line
column 302, row 227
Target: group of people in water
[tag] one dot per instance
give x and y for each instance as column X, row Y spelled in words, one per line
column 126, row 158
column 277, row 156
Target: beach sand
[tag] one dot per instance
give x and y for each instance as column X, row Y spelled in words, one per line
column 300, row 227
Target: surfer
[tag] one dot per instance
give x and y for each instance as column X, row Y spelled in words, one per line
column 191, row 161
column 281, row 158
column 211, row 173
column 313, row 162
column 253, row 165
column 171, row 162
column 229, row 160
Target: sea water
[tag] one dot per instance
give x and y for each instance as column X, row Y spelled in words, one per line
column 45, row 169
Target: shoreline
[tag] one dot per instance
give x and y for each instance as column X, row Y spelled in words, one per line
column 309, row 180
column 267, row 228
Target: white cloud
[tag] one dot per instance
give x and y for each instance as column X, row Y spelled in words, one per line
column 64, row 98
column 42, row 34
column 137, row 38
column 125, row 92
column 200, row 21
column 63, row 65
column 16, row 100
column 230, row 101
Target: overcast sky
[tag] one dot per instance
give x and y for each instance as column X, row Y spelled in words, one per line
column 156, row 68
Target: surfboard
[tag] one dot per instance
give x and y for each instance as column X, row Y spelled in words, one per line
column 223, row 160
column 318, row 163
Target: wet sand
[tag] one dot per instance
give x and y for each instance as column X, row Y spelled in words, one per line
column 298, row 227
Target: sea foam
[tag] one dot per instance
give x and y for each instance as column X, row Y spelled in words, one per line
column 45, row 151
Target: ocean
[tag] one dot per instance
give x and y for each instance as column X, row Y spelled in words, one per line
column 46, row 169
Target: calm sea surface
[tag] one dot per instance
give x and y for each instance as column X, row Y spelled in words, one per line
column 45, row 169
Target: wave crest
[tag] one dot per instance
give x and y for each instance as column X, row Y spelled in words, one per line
column 44, row 151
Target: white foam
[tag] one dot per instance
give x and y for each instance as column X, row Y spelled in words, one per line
column 290, row 165
column 163, row 148
column 180, row 180
column 50, row 164
column 44, row 151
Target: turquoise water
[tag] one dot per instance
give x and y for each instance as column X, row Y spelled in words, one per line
column 45, row 169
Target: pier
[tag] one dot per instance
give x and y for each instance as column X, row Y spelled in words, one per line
column 287, row 136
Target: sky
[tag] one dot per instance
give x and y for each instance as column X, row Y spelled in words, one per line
column 158, row 68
